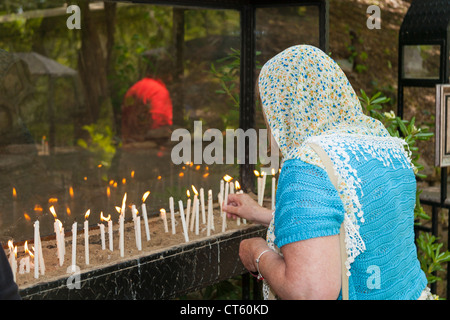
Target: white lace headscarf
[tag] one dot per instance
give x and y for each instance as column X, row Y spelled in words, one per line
column 306, row 97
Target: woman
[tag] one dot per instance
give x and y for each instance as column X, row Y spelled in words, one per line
column 342, row 174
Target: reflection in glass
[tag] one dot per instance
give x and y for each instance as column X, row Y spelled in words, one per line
column 421, row 61
column 87, row 115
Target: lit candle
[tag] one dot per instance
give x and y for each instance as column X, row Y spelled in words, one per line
column 258, row 191
column 202, row 205
column 273, row 189
column 36, row 251
column 183, row 221
column 59, row 231
column 188, row 209
column 164, row 218
column 110, row 232
column 263, row 187
column 86, row 236
column 144, row 214
column 210, row 214
column 12, row 258
column 172, row 214
column 24, row 265
column 137, row 227
column 227, row 178
column 239, row 191
column 194, row 215
column 121, row 226
column 102, row 230
column 221, row 194
column 74, row 247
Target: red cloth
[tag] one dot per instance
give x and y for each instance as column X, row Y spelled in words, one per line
column 147, row 105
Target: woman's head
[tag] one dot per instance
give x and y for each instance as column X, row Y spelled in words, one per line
column 305, row 93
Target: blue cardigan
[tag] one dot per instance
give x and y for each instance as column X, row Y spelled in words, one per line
column 308, row 206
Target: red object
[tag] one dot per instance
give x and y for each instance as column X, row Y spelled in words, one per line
column 147, row 105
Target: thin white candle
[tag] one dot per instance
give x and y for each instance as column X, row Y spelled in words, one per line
column 172, row 214
column 164, row 218
column 57, row 225
column 36, row 250
column 121, row 235
column 102, row 231
column 225, row 201
column 183, row 221
column 110, row 234
column 86, row 236
column 202, row 205
column 74, row 247
column 210, row 214
column 188, row 209
column 263, row 186
column 144, row 214
column 12, row 258
column 194, row 209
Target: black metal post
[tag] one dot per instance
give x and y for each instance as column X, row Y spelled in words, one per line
column 247, row 91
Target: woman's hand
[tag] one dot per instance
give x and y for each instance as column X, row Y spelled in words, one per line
column 243, row 206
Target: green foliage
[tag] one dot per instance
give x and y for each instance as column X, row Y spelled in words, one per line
column 431, row 258
column 227, row 73
column 101, row 143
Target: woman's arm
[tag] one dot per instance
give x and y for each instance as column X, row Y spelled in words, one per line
column 242, row 205
column 308, row 269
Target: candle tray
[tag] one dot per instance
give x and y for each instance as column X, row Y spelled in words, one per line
column 165, row 274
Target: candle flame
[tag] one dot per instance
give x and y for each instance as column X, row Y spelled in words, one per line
column 162, row 211
column 26, row 216
column 124, row 181
column 115, row 185
column 145, row 195
column 103, row 218
column 14, row 193
column 53, row 200
column 195, row 190
column 118, row 209
column 205, row 174
column 68, row 211
column 71, row 192
column 38, row 208
column 111, row 182
column 237, row 184
column 191, row 164
column 159, row 178
column 86, row 215
column 197, row 167
column 124, row 200
column 227, row 178
column 53, row 212
column 10, row 245
column 188, row 193
column 108, row 192
column 132, row 174
column 256, row 173
column 25, row 248
column 181, row 174
column 273, row 171
column 99, row 165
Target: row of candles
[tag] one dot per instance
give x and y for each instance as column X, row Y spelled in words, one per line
column 190, row 220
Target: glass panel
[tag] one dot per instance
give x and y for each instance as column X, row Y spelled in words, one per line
column 87, row 114
column 421, row 61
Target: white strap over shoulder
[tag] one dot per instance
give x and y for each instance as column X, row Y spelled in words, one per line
column 343, row 252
